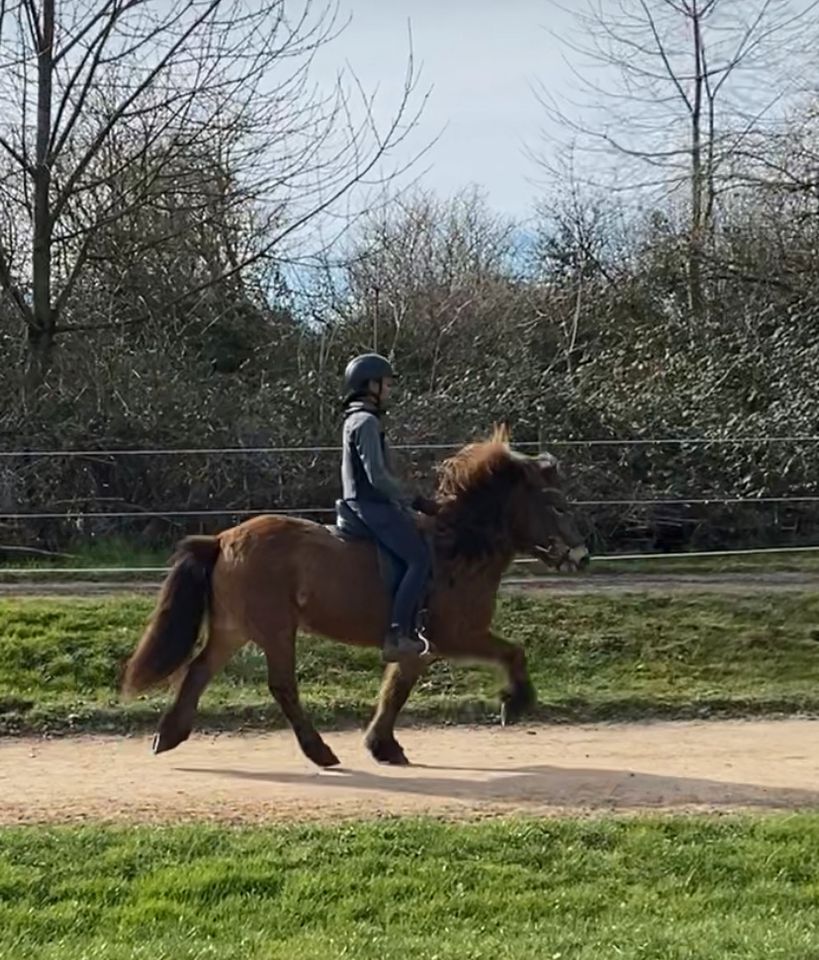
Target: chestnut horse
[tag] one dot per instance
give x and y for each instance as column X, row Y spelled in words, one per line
column 266, row 578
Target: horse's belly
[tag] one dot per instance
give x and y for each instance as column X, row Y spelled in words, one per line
column 341, row 594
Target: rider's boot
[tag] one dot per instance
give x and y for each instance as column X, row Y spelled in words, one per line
column 398, row 645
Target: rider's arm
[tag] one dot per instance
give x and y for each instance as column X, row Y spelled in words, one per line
column 368, row 444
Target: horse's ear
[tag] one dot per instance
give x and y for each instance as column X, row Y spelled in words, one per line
column 549, row 469
column 502, row 433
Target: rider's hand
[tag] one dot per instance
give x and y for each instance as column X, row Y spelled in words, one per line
column 425, row 505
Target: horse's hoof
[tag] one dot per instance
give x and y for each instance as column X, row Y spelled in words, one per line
column 516, row 702
column 395, row 758
column 162, row 742
column 323, row 756
column 510, row 712
column 389, row 752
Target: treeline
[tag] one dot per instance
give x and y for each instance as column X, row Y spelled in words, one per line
column 172, row 311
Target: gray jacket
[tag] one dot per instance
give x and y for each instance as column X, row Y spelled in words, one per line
column 365, row 469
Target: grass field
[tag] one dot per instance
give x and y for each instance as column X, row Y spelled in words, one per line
column 591, row 658
column 707, row 888
column 117, row 552
column 675, row 889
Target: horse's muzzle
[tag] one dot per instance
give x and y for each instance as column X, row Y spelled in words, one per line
column 579, row 557
column 566, row 559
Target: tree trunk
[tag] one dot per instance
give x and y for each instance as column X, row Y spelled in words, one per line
column 40, row 347
column 39, row 350
column 695, row 234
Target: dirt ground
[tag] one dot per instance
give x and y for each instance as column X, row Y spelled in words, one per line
column 457, row 772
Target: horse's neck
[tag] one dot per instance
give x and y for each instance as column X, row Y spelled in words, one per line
column 483, row 573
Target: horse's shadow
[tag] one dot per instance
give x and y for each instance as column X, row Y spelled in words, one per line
column 543, row 787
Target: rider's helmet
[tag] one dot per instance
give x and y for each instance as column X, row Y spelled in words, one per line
column 364, row 368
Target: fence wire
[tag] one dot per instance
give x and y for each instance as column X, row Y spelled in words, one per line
column 520, row 561
column 322, row 448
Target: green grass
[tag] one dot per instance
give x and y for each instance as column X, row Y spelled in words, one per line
column 109, row 552
column 120, row 552
column 591, row 657
column 675, row 889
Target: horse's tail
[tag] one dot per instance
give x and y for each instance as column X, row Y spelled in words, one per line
column 173, row 630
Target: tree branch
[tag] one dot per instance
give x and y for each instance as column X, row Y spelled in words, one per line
column 118, row 112
column 7, row 283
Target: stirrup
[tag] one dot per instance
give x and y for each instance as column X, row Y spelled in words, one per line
column 427, row 651
column 390, row 652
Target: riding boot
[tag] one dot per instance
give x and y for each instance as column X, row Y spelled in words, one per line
column 399, row 645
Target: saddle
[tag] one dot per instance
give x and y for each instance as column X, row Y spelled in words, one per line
column 350, row 529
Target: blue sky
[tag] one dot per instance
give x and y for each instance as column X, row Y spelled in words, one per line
column 480, row 58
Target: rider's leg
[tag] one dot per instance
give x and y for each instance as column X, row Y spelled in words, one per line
column 394, row 528
column 407, row 543
column 410, row 591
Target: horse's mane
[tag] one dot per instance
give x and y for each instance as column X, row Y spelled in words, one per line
column 473, row 490
column 474, row 465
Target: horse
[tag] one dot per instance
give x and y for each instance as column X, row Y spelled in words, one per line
column 266, row 578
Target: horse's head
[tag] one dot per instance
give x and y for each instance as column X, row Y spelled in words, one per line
column 543, row 521
column 500, row 500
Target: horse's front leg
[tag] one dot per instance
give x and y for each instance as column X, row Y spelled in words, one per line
column 518, row 696
column 399, row 679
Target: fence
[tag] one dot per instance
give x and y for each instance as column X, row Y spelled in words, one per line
column 83, row 512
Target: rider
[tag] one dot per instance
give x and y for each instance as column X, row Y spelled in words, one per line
column 372, row 492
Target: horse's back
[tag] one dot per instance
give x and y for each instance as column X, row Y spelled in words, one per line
column 330, row 585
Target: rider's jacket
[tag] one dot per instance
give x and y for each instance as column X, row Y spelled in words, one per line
column 365, row 462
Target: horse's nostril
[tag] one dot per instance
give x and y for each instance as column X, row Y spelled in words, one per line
column 584, row 562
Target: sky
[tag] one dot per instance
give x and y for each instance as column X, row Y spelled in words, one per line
column 480, row 59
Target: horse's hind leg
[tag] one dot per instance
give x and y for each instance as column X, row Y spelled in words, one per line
column 280, row 652
column 399, row 679
column 177, row 722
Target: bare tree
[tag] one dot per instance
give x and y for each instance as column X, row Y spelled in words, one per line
column 100, row 102
column 787, row 162
column 580, row 252
column 671, row 91
column 425, row 273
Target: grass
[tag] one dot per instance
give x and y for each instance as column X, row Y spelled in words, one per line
column 120, row 552
column 111, row 552
column 591, row 657
column 676, row 889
